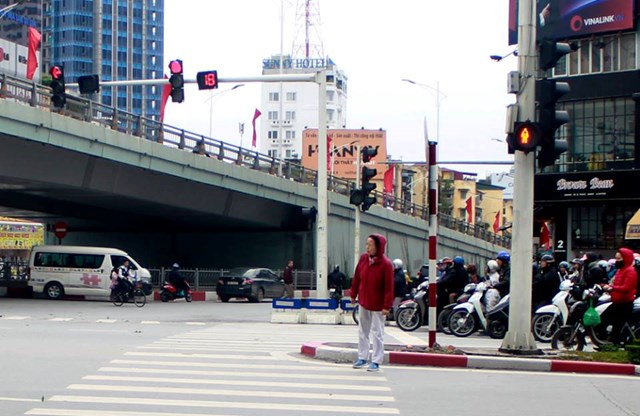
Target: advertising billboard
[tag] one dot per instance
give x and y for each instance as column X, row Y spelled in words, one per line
column 344, row 150
column 564, row 19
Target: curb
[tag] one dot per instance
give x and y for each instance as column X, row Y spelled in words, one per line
column 322, row 351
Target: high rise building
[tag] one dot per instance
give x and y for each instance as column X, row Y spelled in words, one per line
column 15, row 21
column 116, row 39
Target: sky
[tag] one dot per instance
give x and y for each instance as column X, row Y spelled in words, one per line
column 376, row 43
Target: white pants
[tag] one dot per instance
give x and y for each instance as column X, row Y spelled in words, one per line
column 371, row 326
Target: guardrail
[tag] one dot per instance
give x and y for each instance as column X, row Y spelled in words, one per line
column 37, row 95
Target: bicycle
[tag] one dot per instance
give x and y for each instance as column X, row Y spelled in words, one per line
column 135, row 294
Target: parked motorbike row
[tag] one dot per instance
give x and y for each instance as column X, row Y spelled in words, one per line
column 560, row 323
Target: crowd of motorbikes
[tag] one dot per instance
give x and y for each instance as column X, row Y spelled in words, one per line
column 560, row 323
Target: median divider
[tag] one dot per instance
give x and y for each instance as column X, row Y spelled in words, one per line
column 309, row 311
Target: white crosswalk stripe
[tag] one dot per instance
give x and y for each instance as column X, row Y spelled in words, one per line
column 227, row 370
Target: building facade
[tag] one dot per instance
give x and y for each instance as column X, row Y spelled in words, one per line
column 116, row 39
column 289, row 109
column 590, row 194
column 14, row 35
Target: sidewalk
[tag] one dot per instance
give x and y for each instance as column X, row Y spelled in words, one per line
column 469, row 357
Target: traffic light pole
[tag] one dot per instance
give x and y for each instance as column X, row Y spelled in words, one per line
column 322, row 258
column 519, row 338
column 356, row 224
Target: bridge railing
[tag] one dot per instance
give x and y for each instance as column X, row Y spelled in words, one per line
column 37, row 95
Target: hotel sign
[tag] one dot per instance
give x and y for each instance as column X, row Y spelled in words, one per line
column 302, row 63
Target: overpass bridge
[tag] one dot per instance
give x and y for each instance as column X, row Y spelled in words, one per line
column 119, row 179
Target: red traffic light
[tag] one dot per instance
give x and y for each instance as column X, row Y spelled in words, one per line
column 175, row 67
column 526, row 136
column 56, row 72
column 207, row 80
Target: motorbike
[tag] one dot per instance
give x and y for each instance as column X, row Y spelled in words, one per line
column 600, row 334
column 468, row 317
column 547, row 319
column 445, row 313
column 170, row 292
column 413, row 313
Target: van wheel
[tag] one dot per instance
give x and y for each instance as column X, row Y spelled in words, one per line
column 54, row 290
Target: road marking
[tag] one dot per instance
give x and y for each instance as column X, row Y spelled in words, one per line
column 211, row 356
column 106, row 321
column 227, row 392
column 15, row 318
column 195, row 323
column 18, row 399
column 228, row 382
column 88, row 412
column 325, row 366
column 404, row 337
column 60, row 319
column 214, row 348
column 224, row 404
column 150, row 322
column 362, row 377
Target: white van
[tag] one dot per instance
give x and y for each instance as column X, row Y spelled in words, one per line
column 75, row 270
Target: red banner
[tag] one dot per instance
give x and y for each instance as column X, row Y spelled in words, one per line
column 32, row 58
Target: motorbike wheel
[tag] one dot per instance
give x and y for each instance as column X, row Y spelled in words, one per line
column 139, row 299
column 117, row 299
column 443, row 321
column 355, row 314
column 462, row 323
column 598, row 335
column 544, row 325
column 496, row 329
column 188, row 297
column 165, row 297
column 565, row 339
column 409, row 319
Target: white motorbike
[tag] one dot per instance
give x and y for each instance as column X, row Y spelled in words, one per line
column 470, row 316
column 549, row 318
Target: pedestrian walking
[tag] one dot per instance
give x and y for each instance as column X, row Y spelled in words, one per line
column 287, row 276
column 373, row 287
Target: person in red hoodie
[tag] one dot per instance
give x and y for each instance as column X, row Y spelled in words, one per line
column 623, row 292
column 372, row 285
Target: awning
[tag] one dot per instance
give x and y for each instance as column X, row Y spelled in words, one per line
column 633, row 227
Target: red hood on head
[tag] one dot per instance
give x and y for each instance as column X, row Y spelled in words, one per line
column 381, row 243
column 627, row 256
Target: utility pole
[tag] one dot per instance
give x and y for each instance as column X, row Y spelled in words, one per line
column 519, row 338
column 322, row 258
column 356, row 224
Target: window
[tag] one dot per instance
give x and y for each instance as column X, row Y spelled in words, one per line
column 288, row 153
column 331, row 95
column 290, row 115
column 274, row 96
column 273, row 115
column 273, row 134
column 69, row 260
column 290, row 134
column 603, row 54
column 273, row 153
column 291, row 96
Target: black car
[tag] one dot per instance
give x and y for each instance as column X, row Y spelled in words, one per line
column 252, row 283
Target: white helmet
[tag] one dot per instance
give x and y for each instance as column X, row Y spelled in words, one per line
column 397, row 264
column 492, row 265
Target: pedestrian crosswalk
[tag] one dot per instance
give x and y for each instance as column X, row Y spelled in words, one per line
column 100, row 321
column 227, row 369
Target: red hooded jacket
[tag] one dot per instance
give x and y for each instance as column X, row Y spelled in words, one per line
column 626, row 279
column 373, row 279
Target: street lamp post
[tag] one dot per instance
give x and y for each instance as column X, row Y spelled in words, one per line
column 213, row 99
column 440, row 96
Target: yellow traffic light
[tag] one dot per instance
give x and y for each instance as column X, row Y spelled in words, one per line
column 526, row 136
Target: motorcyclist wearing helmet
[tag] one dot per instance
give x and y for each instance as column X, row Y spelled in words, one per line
column 444, row 284
column 492, row 296
column 176, row 279
column 563, row 269
column 504, row 260
column 593, row 274
column 336, row 281
column 399, row 283
column 576, row 270
column 455, row 279
column 546, row 284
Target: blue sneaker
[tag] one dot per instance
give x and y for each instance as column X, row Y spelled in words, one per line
column 374, row 367
column 360, row 364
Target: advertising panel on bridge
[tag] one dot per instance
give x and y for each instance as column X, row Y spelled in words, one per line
column 344, row 150
column 20, row 235
column 562, row 19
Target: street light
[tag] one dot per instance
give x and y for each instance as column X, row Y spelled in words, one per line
column 212, row 100
column 439, row 97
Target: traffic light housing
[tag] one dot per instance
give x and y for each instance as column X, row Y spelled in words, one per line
column 526, row 136
column 550, row 53
column 176, row 80
column 548, row 92
column 89, row 84
column 368, row 153
column 58, row 87
column 368, row 187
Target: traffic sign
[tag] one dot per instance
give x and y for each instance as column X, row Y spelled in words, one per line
column 207, row 80
column 60, row 229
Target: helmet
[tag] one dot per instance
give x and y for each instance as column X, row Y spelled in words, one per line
column 564, row 264
column 397, row 264
column 458, row 260
column 548, row 258
column 176, row 266
column 446, row 260
column 504, row 256
column 603, row 264
column 577, row 261
column 492, row 265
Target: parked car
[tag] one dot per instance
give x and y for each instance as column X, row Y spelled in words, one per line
column 252, row 283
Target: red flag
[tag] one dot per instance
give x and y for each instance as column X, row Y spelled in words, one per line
column 389, row 175
column 32, row 59
column 166, row 93
column 256, row 114
column 329, row 153
column 469, row 210
column 545, row 236
column 496, row 223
